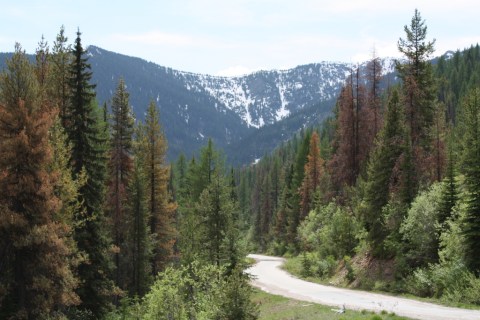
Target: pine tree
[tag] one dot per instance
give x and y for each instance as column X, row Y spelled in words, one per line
column 470, row 159
column 181, row 169
column 266, row 211
column 42, row 67
column 139, row 236
column 313, row 173
column 374, row 75
column 161, row 208
column 36, row 269
column 120, row 167
column 234, row 252
column 438, row 132
column 298, row 175
column 389, row 148
column 66, row 187
column 209, row 160
column 343, row 162
column 61, row 58
column 449, row 187
column 419, row 93
column 189, row 243
column 215, row 213
column 281, row 230
column 88, row 156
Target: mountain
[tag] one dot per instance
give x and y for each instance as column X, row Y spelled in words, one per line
column 247, row 115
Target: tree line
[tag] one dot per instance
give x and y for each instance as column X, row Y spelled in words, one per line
column 93, row 224
column 386, row 188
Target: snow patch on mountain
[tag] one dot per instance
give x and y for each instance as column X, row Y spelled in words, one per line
column 265, row 97
column 283, row 111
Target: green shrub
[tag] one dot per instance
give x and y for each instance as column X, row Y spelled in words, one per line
column 200, row 292
column 331, row 230
column 306, row 265
column 450, row 281
column 420, row 228
column 348, row 266
column 325, row 268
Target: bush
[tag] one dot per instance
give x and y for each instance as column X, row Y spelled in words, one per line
column 420, row 228
column 451, row 282
column 278, row 248
column 200, row 292
column 306, row 265
column 326, row 267
column 347, row 261
column 331, row 230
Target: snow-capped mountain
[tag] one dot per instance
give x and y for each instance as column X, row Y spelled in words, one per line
column 195, row 107
column 247, row 115
column 265, row 97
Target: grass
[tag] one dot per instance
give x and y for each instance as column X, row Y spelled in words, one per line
column 274, row 307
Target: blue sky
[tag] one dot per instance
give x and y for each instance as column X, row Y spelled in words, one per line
column 226, row 37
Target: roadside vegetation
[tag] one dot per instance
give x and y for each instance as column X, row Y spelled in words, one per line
column 385, row 194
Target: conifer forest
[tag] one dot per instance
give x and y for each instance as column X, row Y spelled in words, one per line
column 95, row 223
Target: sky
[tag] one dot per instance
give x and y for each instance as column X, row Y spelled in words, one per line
column 234, row 37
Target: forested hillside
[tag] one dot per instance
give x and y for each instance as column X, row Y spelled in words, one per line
column 383, row 195
column 92, row 225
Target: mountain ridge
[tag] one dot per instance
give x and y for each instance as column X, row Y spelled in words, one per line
column 245, row 115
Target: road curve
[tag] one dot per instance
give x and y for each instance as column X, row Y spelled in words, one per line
column 268, row 276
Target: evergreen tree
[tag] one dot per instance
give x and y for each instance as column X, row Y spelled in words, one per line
column 83, row 126
column 181, row 171
column 61, row 58
column 161, row 208
column 438, row 133
column 405, row 183
column 42, row 67
column 298, row 175
column 380, row 171
column 139, row 237
column 67, row 188
column 313, row 173
column 374, row 75
column 266, row 211
column 343, row 162
column 120, row 167
column 215, row 214
column 281, row 230
column 209, row 160
column 470, row 144
column 449, row 195
column 189, row 243
column 419, row 93
column 36, row 269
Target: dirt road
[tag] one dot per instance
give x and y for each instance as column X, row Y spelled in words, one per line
column 270, row 278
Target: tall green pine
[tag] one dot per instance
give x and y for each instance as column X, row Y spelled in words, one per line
column 419, row 95
column 138, row 237
column 471, row 169
column 449, row 188
column 389, row 148
column 83, row 126
column 120, row 167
